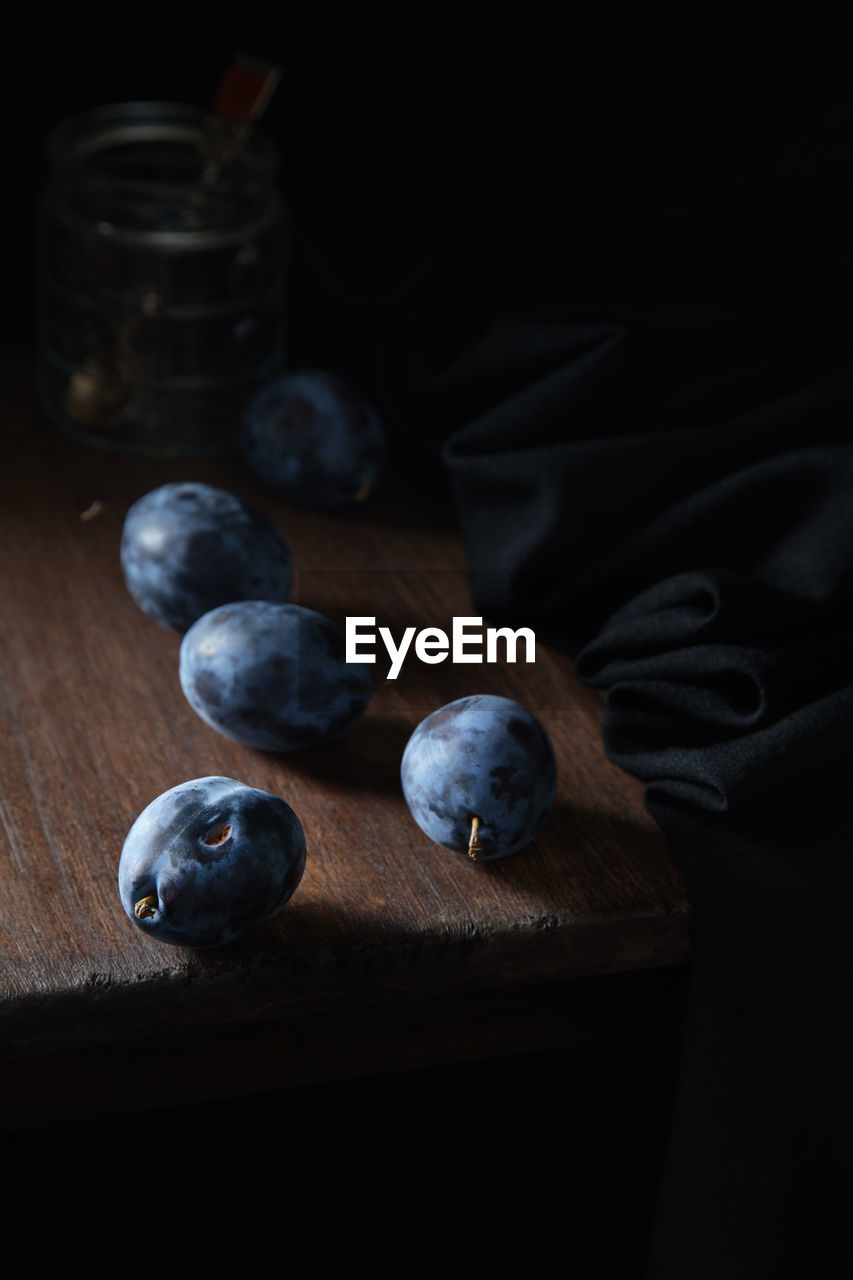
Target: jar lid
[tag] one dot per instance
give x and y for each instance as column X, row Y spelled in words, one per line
column 139, row 168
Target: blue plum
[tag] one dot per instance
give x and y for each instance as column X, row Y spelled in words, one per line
column 479, row 776
column 208, row 860
column 188, row 547
column 272, row 676
column 309, row 436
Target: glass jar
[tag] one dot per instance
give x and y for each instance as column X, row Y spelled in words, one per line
column 161, row 279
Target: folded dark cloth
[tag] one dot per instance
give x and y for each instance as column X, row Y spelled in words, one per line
column 719, row 620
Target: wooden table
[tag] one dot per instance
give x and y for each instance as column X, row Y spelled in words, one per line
column 392, row 952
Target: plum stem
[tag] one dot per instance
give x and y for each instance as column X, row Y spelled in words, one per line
column 475, row 849
column 145, row 907
column 217, row 837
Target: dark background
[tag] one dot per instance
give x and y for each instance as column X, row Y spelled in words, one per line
column 446, row 162
column 687, row 180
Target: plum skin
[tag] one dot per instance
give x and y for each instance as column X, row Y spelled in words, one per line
column 481, row 756
column 187, row 547
column 310, row 437
column 219, row 858
column 272, row 676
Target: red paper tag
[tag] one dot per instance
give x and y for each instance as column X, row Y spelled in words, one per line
column 246, row 88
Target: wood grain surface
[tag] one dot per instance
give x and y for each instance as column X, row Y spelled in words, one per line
column 93, row 726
